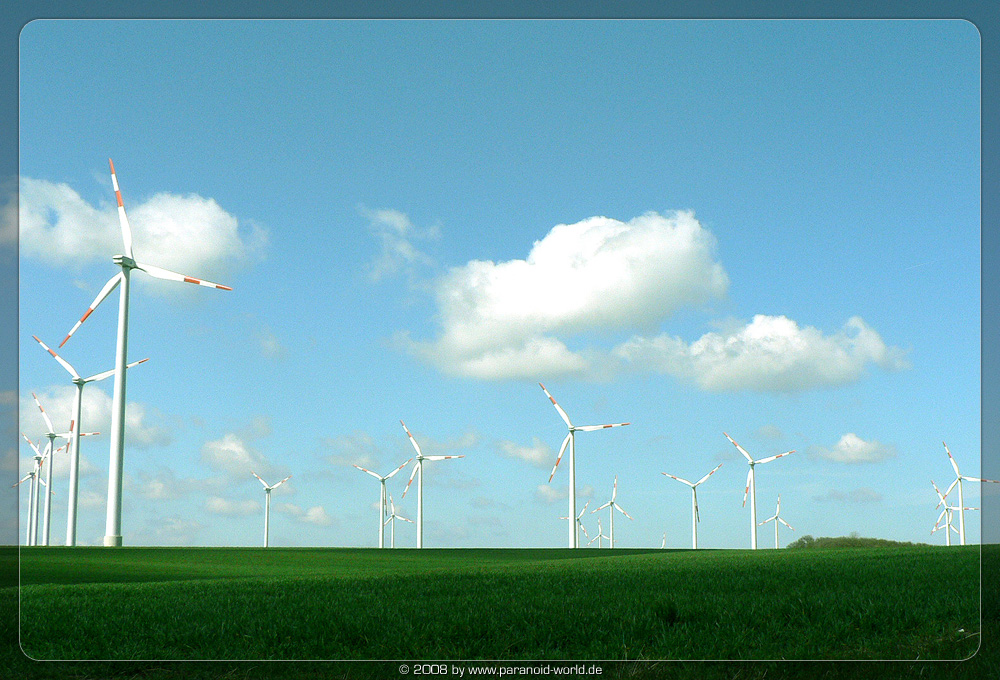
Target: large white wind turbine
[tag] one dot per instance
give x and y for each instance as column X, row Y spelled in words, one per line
column 579, row 521
column 751, row 487
column 267, row 501
column 694, row 502
column 418, row 469
column 391, row 521
column 775, row 518
column 961, row 495
column 50, row 451
column 381, row 499
column 612, row 505
column 74, row 464
column 127, row 262
column 571, row 441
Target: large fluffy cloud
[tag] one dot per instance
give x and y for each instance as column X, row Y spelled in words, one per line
column 500, row 320
column 189, row 234
column 770, row 354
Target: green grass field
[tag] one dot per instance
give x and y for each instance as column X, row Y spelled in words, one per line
column 310, row 604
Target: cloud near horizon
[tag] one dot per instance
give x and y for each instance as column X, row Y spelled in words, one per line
column 853, row 449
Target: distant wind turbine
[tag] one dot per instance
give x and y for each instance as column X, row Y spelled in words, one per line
column 35, row 478
column 751, row 487
column 418, row 469
column 391, row 521
column 947, row 513
column 571, row 441
column 74, row 465
column 775, row 518
column 267, row 500
column 599, row 536
column 612, row 505
column 579, row 520
column 959, row 478
column 381, row 500
column 113, row 529
column 694, row 502
column 50, row 451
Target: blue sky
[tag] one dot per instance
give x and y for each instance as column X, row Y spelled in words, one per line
column 767, row 228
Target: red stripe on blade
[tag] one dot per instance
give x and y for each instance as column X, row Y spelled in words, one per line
column 188, row 279
column 118, row 195
column 84, row 317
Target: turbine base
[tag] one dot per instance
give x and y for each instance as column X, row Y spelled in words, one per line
column 112, row 541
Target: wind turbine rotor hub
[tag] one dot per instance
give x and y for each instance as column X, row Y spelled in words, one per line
column 124, row 261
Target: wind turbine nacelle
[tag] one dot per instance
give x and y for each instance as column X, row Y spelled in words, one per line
column 123, row 261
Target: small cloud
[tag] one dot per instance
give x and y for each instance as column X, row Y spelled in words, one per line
column 549, row 494
column 232, row 455
column 288, row 509
column 269, row 344
column 538, row 454
column 396, row 236
column 92, row 499
column 222, row 506
column 769, row 432
column 865, row 495
column 852, row 449
column 357, row 448
column 316, row 515
column 177, row 531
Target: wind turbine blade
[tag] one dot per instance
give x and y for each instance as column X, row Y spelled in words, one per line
column 777, row 509
column 622, row 510
column 122, row 218
column 562, row 413
column 591, row 428
column 679, row 479
column 45, row 415
column 42, row 480
column 399, row 468
column 770, row 458
column 951, row 487
column 281, row 482
column 442, row 457
column 62, row 362
column 412, row 440
column 600, row 508
column 955, row 530
column 614, row 492
column 404, row 519
column 708, row 475
column 952, row 459
column 786, row 524
column 32, row 444
column 581, row 512
column 584, row 530
column 562, row 449
column 739, row 448
column 939, row 494
column 694, row 499
column 161, row 273
column 415, row 466
column 977, row 479
column 941, row 516
column 23, row 479
column 747, row 490
column 108, row 374
column 376, row 476
column 259, row 478
column 105, row 291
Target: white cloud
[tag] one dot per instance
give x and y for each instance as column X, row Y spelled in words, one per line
column 222, row 506
column 189, row 234
column 163, row 486
column 288, row 509
column 770, row 432
column 538, row 454
column 499, row 320
column 356, row 448
column 549, row 494
column 270, row 345
column 233, row 455
column 143, row 424
column 852, row 449
column 177, row 531
column 316, row 515
column 396, row 234
column 771, row 354
column 861, row 495
column 92, row 499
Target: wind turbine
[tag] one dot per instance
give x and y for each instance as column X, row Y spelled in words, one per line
column 571, row 441
column 775, row 518
column 751, row 484
column 694, row 502
column 35, row 478
column 579, row 521
column 50, row 451
column 663, row 543
column 391, row 521
column 267, row 501
column 127, row 262
column 947, row 512
column 612, row 505
column 381, row 500
column 418, row 467
column 74, row 466
column 599, row 536
column 961, row 495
